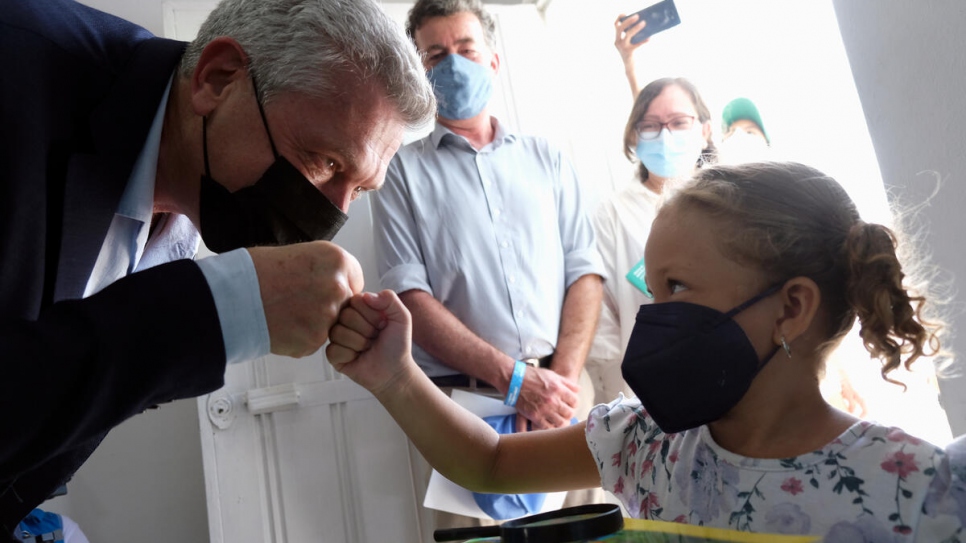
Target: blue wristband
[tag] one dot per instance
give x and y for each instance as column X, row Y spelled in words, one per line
column 516, row 383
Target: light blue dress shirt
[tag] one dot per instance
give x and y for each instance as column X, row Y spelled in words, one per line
column 130, row 247
column 496, row 235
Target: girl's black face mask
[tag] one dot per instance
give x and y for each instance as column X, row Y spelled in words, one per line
column 690, row 364
column 282, row 207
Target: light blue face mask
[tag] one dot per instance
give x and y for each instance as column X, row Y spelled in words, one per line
column 672, row 154
column 462, row 87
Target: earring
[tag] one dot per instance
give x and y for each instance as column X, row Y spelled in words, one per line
column 788, row 350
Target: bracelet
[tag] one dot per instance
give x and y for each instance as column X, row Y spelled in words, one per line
column 516, row 383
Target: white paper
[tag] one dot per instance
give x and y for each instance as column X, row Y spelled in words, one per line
column 445, row 495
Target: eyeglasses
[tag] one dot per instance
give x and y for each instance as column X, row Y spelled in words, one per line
column 651, row 130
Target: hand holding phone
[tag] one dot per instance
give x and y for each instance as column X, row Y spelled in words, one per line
column 658, row 17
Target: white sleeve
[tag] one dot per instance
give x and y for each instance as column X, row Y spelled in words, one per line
column 607, row 340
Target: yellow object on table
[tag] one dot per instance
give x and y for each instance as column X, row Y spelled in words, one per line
column 655, row 531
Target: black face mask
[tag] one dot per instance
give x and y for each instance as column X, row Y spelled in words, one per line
column 282, row 207
column 690, row 364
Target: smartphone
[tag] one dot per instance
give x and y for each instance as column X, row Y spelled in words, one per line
column 661, row 16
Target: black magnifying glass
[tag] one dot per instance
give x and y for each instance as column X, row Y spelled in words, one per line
column 577, row 523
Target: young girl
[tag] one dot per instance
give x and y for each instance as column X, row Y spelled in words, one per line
column 756, row 271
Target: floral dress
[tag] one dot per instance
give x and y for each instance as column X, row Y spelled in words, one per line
column 871, row 484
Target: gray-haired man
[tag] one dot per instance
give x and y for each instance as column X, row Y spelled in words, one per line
column 119, row 148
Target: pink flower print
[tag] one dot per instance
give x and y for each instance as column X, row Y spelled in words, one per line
column 590, row 424
column 793, row 486
column 619, row 486
column 673, row 457
column 900, row 463
column 896, row 435
column 648, row 504
column 632, row 448
column 653, row 446
column 902, row 529
column 616, row 459
column 646, row 467
column 681, row 519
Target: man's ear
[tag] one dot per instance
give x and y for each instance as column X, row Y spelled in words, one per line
column 706, row 132
column 222, row 63
column 495, row 63
column 801, row 298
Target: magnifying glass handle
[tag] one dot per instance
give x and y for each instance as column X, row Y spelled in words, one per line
column 457, row 534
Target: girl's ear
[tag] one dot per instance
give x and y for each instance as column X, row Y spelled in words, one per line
column 801, row 298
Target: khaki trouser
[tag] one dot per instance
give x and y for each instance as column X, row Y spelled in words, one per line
column 434, row 520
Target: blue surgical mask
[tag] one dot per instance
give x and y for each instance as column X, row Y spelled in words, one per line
column 462, row 87
column 672, row 154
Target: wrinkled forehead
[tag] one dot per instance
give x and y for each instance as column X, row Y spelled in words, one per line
column 444, row 31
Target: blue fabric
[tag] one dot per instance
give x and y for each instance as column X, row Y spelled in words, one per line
column 673, row 154
column 508, row 506
column 40, row 522
column 462, row 87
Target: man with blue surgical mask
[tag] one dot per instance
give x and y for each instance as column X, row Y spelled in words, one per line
column 484, row 234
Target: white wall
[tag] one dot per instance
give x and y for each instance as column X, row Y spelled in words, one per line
column 909, row 64
column 144, row 483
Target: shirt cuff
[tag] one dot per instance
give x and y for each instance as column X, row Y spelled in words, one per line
column 406, row 277
column 234, row 285
column 583, row 262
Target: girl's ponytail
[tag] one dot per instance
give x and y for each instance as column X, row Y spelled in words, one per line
column 890, row 315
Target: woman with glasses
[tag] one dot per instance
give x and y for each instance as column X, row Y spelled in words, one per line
column 669, row 134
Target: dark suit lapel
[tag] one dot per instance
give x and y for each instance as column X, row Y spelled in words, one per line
column 92, row 193
column 96, row 181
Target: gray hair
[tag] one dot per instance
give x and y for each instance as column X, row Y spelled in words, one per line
column 426, row 9
column 310, row 46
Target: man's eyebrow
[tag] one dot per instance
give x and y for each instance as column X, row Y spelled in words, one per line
column 461, row 41
column 340, row 152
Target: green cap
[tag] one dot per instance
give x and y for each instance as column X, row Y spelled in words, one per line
column 742, row 108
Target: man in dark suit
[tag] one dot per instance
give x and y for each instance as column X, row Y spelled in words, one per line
column 118, row 148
